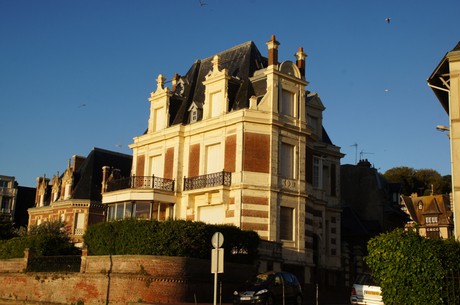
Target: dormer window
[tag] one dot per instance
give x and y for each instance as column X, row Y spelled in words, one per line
column 158, row 119
column 431, row 220
column 287, row 103
column 193, row 116
column 216, row 104
column 193, row 113
column 313, row 123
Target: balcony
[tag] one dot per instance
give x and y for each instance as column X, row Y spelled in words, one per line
column 139, row 188
column 144, row 182
column 222, row 178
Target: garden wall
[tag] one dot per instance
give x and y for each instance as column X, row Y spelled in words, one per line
column 120, row 280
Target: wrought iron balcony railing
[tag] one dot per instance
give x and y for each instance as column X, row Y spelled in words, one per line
column 148, row 182
column 215, row 179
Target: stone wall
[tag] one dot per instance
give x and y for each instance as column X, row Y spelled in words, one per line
column 121, row 280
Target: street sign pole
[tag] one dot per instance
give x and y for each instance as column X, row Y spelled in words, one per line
column 217, row 259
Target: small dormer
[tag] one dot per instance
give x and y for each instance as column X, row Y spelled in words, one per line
column 216, row 89
column 195, row 112
column 159, row 106
column 56, row 188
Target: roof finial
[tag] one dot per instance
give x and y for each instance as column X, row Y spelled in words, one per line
column 160, row 81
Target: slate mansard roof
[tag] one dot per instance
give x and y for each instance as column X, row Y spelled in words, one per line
column 241, row 62
column 88, row 178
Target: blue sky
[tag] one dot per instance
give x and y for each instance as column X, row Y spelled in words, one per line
column 76, row 74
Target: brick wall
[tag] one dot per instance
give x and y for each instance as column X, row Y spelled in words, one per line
column 123, row 280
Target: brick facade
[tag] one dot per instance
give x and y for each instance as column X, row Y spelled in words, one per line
column 121, row 280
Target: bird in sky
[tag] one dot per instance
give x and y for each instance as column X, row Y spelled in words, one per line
column 82, row 105
column 202, row 3
column 388, row 19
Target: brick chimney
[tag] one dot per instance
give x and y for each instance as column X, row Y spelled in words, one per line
column 300, row 62
column 273, row 51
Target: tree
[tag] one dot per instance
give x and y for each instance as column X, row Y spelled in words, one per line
column 421, row 181
column 6, row 229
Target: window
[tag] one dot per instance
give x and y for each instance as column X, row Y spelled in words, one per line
column 67, row 191
column 79, row 223
column 6, row 205
column 142, row 210
column 287, row 161
column 156, row 166
column 286, row 223
column 431, row 220
column 216, row 104
column 432, row 232
column 158, row 116
column 213, row 159
column 317, row 173
column 193, row 115
column 120, row 211
column 287, row 102
column 312, row 122
column 3, row 183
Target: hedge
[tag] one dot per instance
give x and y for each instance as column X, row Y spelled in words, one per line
column 412, row 269
column 169, row 238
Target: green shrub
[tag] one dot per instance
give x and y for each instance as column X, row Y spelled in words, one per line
column 169, row 238
column 412, row 269
column 46, row 240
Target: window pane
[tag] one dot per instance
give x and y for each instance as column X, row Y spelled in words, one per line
column 142, row 210
column 287, row 161
column 213, row 159
column 287, row 223
column 216, row 104
column 159, row 119
column 120, row 211
column 287, row 106
column 128, row 210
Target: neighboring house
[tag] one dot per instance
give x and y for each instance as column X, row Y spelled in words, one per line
column 371, row 206
column 445, row 82
column 430, row 216
column 238, row 140
column 15, row 200
column 8, row 194
column 25, row 200
column 75, row 196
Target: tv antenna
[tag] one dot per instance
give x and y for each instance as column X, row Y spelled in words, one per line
column 362, row 153
column 356, row 152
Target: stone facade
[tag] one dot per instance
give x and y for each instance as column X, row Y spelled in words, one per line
column 243, row 142
column 445, row 82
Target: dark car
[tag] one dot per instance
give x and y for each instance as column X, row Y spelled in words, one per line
column 270, row 288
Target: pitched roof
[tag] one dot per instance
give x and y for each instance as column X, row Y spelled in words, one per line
column 88, row 178
column 435, row 81
column 241, row 62
column 436, row 205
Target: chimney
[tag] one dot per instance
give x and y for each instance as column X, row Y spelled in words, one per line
column 105, row 176
column 300, row 62
column 273, row 51
column 174, row 81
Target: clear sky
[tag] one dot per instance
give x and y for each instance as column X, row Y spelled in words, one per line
column 77, row 74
